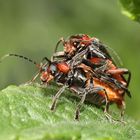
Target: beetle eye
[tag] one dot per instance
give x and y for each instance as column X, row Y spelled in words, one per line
column 75, row 44
column 44, row 68
column 53, row 69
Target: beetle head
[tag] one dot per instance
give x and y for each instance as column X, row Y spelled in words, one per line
column 76, row 43
column 47, row 71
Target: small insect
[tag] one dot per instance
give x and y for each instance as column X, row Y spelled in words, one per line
column 82, row 80
column 77, row 43
column 91, row 52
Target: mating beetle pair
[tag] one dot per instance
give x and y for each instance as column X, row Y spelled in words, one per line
column 82, row 49
column 86, row 67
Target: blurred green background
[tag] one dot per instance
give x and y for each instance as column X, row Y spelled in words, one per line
column 32, row 28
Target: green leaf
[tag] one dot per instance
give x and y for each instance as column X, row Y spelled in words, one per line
column 131, row 8
column 25, row 115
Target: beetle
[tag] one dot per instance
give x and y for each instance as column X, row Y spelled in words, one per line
column 82, row 80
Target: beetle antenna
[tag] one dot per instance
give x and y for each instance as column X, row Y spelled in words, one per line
column 56, row 47
column 19, row 56
column 45, row 58
column 115, row 54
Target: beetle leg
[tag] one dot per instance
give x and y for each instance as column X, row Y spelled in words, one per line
column 77, row 57
column 33, row 79
column 106, row 110
column 122, row 114
column 56, row 47
column 121, row 71
column 94, row 90
column 77, row 114
column 56, row 97
column 118, row 71
column 58, row 55
column 129, row 77
column 122, row 106
column 107, row 103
